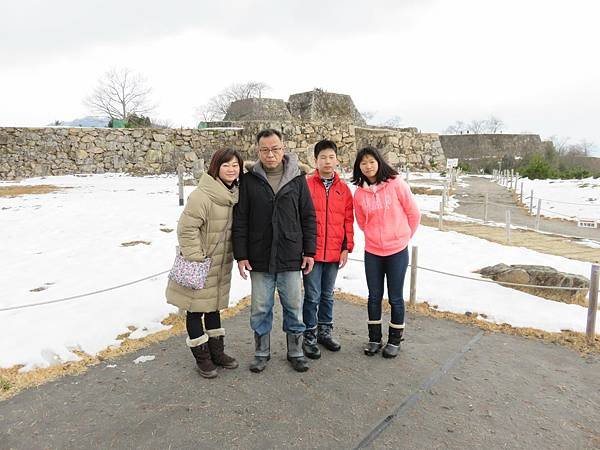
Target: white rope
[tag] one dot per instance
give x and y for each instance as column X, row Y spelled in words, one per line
column 537, row 286
column 74, row 297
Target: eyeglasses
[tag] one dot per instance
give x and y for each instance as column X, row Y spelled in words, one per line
column 273, row 150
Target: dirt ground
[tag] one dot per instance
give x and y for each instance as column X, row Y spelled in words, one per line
column 15, row 191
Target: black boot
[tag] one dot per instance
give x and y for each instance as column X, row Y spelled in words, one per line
column 392, row 347
column 374, row 344
column 294, row 352
column 201, row 352
column 217, row 349
column 262, row 352
column 309, row 344
column 326, row 339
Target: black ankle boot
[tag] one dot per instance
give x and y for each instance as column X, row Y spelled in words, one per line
column 374, row 344
column 294, row 352
column 326, row 339
column 262, row 352
column 309, row 344
column 392, row 347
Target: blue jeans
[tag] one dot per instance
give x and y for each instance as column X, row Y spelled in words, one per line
column 289, row 287
column 318, row 294
column 392, row 267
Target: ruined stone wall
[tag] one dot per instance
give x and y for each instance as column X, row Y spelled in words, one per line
column 474, row 146
column 405, row 147
column 27, row 152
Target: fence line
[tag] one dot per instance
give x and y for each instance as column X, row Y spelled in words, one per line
column 428, row 269
column 74, row 297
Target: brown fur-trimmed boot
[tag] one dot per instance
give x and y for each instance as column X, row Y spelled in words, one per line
column 217, row 349
column 200, row 350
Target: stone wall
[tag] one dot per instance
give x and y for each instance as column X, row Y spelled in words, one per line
column 404, row 147
column 27, row 152
column 320, row 106
column 258, row 109
column 474, row 146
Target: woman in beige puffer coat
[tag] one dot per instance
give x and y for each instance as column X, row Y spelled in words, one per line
column 204, row 229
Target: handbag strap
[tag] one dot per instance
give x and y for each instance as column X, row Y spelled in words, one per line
column 209, row 255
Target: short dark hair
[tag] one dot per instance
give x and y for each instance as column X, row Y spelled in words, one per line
column 324, row 144
column 222, row 156
column 269, row 132
column 384, row 170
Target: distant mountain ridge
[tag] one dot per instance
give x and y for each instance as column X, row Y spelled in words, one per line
column 87, row 121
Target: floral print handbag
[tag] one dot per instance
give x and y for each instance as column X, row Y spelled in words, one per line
column 193, row 274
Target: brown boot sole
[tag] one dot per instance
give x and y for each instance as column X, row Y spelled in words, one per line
column 209, row 374
column 231, row 365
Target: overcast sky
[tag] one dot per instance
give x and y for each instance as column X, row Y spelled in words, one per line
column 534, row 64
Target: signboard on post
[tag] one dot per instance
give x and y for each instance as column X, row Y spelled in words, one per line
column 451, row 163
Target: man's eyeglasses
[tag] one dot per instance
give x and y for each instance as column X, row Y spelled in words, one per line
column 274, row 150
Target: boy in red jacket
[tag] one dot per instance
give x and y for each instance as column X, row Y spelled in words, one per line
column 335, row 217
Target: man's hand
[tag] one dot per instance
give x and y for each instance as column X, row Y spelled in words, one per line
column 343, row 258
column 307, row 264
column 244, row 265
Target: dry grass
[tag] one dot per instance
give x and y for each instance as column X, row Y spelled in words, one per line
column 132, row 243
column 15, row 191
column 545, row 243
column 425, row 190
column 12, row 381
column 573, row 340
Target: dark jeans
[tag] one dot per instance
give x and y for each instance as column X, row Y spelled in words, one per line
column 393, row 268
column 318, row 294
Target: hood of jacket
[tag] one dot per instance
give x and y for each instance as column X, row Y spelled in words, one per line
column 217, row 192
column 292, row 167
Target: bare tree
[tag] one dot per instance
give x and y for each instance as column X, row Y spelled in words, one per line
column 476, row 126
column 368, row 115
column 217, row 106
column 120, row 93
column 458, row 127
column 581, row 148
column 494, row 125
column 561, row 144
column 392, row 122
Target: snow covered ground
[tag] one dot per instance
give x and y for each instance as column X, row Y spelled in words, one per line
column 564, row 199
column 68, row 242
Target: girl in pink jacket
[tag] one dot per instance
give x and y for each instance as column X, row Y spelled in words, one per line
column 387, row 213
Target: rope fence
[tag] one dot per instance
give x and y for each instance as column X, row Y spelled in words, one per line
column 427, row 269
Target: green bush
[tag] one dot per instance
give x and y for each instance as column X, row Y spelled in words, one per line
column 539, row 168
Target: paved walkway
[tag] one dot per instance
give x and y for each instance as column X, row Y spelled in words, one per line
column 451, row 387
column 475, row 191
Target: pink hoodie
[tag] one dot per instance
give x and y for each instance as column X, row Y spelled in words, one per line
column 388, row 215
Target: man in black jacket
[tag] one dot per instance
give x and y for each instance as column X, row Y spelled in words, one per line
column 274, row 238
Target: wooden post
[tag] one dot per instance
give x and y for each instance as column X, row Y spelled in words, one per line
column 180, row 183
column 521, row 194
column 592, row 303
column 539, row 213
column 508, row 226
column 413, row 275
column 441, row 217
column 531, row 203
column 485, row 208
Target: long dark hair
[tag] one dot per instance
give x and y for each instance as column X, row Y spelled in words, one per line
column 222, row 156
column 384, row 170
